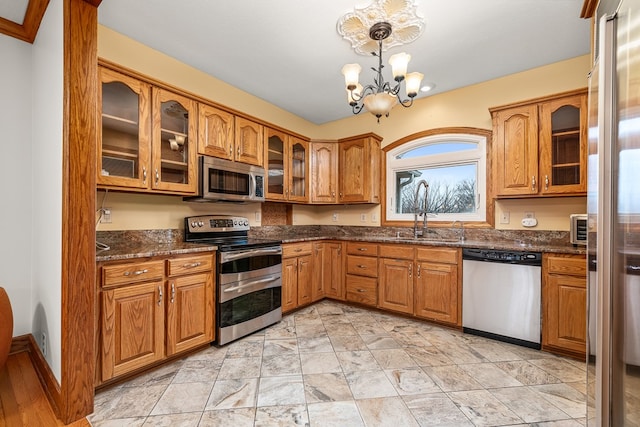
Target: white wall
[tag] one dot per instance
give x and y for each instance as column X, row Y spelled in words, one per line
column 47, row 80
column 15, row 179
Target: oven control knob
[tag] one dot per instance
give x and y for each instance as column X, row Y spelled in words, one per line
column 246, row 222
column 194, row 224
column 200, row 224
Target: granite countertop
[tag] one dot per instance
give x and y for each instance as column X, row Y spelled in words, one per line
column 147, row 243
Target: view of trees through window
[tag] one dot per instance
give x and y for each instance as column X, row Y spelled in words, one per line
column 451, row 189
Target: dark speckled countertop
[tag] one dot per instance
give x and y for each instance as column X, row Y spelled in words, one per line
column 146, row 243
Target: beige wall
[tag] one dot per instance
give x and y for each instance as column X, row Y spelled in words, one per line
column 466, row 106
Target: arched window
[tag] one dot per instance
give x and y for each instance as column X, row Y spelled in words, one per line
column 453, row 165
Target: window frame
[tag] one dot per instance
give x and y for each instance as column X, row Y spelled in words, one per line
column 409, row 142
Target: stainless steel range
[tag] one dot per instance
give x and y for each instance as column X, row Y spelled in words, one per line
column 248, row 271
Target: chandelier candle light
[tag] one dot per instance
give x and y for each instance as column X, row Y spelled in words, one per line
column 379, row 98
column 379, row 18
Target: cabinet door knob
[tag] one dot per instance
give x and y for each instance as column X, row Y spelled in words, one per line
column 418, row 271
column 546, row 182
column 159, row 295
column 173, row 292
column 533, row 183
column 157, row 176
column 144, row 175
column 410, row 270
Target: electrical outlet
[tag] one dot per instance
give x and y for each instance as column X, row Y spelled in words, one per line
column 257, row 216
column 43, row 344
column 504, row 217
column 363, row 217
column 374, row 218
column 529, row 215
column 106, row 216
column 334, row 218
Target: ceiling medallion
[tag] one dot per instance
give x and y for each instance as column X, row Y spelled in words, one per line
column 402, row 15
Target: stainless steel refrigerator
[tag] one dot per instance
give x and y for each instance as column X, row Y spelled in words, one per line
column 613, row 205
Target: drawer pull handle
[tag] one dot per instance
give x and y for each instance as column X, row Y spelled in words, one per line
column 362, row 266
column 298, row 250
column 410, row 270
column 418, row 271
column 192, row 265
column 136, row 273
column 361, row 290
column 362, row 249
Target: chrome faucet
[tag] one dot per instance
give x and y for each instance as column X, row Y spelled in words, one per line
column 461, row 233
column 422, row 211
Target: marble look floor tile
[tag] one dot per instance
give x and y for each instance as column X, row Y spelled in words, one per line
column 561, row 369
column 239, row 417
column 347, row 343
column 379, row 342
column 287, row 390
column 129, row 402
column 120, row 422
column 341, row 329
column 278, row 365
column 319, row 363
column 228, row 394
column 246, row 347
column 559, row 423
column 334, row 414
column 179, row 398
column 527, row 373
column 393, row 358
column 277, row 347
column 314, row 344
column 214, row 355
column 328, row 308
column 428, row 356
column 282, row 416
column 240, row 367
column 388, row 411
column 196, row 371
column 461, row 353
column 326, row 387
column 370, row 329
column 282, row 330
column 190, row 419
column 409, row 339
column 567, row 398
column 490, row 376
column 357, row 361
column 436, row 410
column 451, row 378
column 483, row 409
column 162, row 375
column 495, row 351
column 528, row 404
column 312, row 330
column 411, row 381
column 369, row 384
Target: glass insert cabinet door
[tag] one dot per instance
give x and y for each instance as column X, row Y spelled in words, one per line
column 275, row 166
column 299, row 169
column 173, row 142
column 564, row 145
column 125, row 123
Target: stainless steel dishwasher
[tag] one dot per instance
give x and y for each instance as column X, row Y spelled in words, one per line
column 501, row 295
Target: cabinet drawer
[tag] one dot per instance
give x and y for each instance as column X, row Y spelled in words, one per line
column 396, row 251
column 363, row 249
column 443, row 255
column 574, row 265
column 362, row 265
column 188, row 265
column 296, row 249
column 133, row 272
column 363, row 290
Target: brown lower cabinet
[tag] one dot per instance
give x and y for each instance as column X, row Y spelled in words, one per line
column 564, row 304
column 152, row 309
column 296, row 276
column 395, row 268
column 437, row 285
column 361, row 279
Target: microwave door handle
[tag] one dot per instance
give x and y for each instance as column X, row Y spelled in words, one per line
column 252, row 189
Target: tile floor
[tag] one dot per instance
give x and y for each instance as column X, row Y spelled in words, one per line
column 336, row 365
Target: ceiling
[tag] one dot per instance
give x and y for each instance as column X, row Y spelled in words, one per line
column 289, row 53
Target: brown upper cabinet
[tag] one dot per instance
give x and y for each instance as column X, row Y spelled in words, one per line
column 224, row 135
column 286, row 166
column 147, row 136
column 352, row 166
column 540, row 146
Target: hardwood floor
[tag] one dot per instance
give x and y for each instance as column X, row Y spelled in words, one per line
column 22, row 399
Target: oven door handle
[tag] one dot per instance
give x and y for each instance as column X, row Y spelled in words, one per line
column 239, row 288
column 232, row 256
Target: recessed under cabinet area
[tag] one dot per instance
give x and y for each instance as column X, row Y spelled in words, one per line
column 540, row 146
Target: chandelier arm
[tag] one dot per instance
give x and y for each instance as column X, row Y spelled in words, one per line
column 406, row 103
column 357, row 108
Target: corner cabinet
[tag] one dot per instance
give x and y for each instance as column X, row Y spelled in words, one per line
column 151, row 310
column 540, row 146
column 287, row 167
column 148, row 137
column 359, row 169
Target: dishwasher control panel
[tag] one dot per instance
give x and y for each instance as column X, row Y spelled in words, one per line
column 511, row 257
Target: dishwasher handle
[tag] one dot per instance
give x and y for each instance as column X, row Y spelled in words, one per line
column 502, row 256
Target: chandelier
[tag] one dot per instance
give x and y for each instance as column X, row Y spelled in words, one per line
column 381, row 96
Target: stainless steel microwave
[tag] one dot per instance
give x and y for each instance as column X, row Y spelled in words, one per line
column 578, row 229
column 228, row 181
